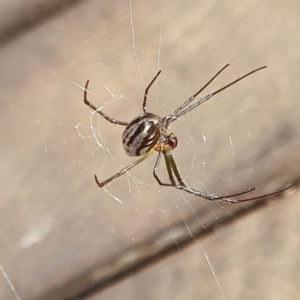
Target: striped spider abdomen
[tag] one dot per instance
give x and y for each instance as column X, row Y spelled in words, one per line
column 141, row 134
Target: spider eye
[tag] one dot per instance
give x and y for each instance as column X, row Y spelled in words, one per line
column 141, row 134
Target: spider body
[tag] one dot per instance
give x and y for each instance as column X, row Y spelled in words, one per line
column 141, row 134
column 148, row 132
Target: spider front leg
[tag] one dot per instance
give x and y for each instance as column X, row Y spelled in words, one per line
column 98, row 110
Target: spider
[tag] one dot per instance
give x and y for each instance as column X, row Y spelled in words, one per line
column 148, row 133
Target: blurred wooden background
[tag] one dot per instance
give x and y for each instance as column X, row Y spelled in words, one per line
column 61, row 236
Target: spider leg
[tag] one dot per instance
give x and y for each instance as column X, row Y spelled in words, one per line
column 173, row 183
column 183, row 186
column 146, row 92
column 98, row 110
column 212, row 197
column 234, row 195
column 229, row 198
column 105, row 182
column 172, row 167
column 171, row 162
column 206, row 196
column 187, row 102
column 268, row 195
column 173, row 117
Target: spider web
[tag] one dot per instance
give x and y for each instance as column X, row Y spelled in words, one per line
column 163, row 242
column 197, row 160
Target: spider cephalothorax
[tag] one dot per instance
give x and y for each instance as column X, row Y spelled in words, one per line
column 148, row 133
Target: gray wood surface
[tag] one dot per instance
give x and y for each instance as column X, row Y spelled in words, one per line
column 62, row 237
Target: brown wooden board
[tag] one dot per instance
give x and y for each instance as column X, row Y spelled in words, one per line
column 61, row 236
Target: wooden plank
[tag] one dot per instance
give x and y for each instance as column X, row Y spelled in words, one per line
column 57, row 227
